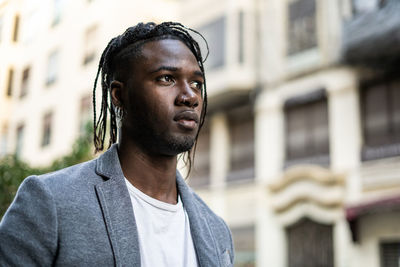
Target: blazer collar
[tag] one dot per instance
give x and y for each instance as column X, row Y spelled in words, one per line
column 117, row 210
column 202, row 236
column 108, row 164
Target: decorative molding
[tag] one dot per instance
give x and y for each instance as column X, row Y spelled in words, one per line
column 307, row 185
column 313, row 173
column 327, row 198
column 316, row 213
column 325, row 204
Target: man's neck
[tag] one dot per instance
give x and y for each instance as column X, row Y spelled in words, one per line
column 154, row 175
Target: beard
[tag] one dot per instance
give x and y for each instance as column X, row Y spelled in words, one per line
column 173, row 145
column 150, row 137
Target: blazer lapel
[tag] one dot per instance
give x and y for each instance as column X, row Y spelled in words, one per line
column 203, row 239
column 117, row 210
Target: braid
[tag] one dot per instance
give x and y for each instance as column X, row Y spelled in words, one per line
column 127, row 44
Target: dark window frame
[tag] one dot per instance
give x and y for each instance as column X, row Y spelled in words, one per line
column 16, row 28
column 389, row 147
column 25, row 82
column 85, row 112
column 10, row 82
column 47, row 128
column 214, row 29
column 201, row 167
column 312, row 153
column 298, row 25
column 20, row 132
column 241, row 168
column 90, row 50
column 386, row 253
column 241, row 36
column 305, row 244
column 53, row 62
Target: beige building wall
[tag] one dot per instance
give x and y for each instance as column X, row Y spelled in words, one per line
column 82, row 27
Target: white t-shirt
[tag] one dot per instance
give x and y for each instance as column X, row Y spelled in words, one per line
column 164, row 231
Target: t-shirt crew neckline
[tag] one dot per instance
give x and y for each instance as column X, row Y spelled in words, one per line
column 152, row 201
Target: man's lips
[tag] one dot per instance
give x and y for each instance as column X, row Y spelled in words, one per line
column 187, row 119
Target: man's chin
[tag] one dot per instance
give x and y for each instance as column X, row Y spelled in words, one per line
column 176, row 146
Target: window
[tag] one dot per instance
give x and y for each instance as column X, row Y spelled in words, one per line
column 24, row 82
column 85, row 113
column 390, row 254
column 302, row 27
column 32, row 24
column 16, row 29
column 20, row 140
column 90, row 43
column 241, row 37
column 310, row 244
column 381, row 119
column 3, row 141
column 10, row 82
column 214, row 33
column 364, row 6
column 241, row 128
column 58, row 7
column 1, row 27
column 244, row 243
column 200, row 174
column 307, row 129
column 52, row 68
column 47, row 125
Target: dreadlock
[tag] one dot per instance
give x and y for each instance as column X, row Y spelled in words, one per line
column 134, row 37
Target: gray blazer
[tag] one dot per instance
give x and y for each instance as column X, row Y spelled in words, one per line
column 83, row 216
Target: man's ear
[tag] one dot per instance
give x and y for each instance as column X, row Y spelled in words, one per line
column 117, row 88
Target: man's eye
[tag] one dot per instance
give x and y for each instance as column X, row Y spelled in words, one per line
column 165, row 79
column 197, row 85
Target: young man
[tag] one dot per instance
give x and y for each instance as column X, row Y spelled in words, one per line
column 130, row 206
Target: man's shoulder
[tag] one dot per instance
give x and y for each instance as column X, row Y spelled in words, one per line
column 71, row 172
column 69, row 187
column 205, row 210
column 202, row 204
column 201, row 207
column 82, row 173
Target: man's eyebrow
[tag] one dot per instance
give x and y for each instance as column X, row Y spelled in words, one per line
column 199, row 73
column 169, row 68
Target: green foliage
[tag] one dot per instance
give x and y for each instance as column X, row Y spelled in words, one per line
column 12, row 173
column 13, row 170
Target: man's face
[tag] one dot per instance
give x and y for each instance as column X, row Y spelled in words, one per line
column 162, row 98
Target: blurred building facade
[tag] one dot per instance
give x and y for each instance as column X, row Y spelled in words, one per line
column 49, row 53
column 300, row 153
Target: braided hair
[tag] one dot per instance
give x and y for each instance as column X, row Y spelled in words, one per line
column 127, row 45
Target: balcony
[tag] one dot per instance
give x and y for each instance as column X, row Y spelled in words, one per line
column 373, row 38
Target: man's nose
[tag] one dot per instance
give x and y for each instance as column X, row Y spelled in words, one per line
column 187, row 96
